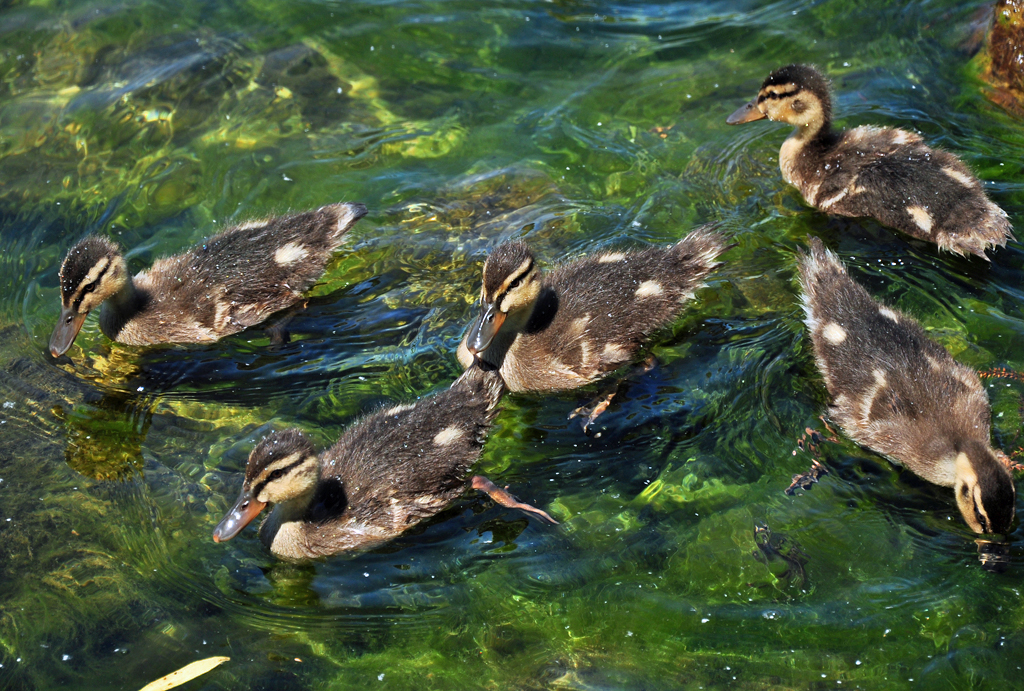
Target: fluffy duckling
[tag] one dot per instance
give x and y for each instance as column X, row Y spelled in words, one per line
column 887, row 174
column 388, row 472
column 587, row 317
column 230, row 282
column 897, row 392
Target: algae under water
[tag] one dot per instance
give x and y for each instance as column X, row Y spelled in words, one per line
column 679, row 561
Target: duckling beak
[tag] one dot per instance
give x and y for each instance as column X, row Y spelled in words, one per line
column 241, row 514
column 64, row 333
column 482, row 332
column 748, row 112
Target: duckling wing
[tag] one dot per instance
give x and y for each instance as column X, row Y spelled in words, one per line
column 893, row 389
column 595, row 313
column 240, row 276
column 926, row 193
column 407, row 462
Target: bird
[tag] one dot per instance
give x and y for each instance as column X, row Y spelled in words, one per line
column 227, row 283
column 586, row 318
column 899, row 393
column 389, row 471
column 884, row 173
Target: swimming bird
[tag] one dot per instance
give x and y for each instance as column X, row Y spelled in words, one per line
column 899, row 393
column 233, row 280
column 887, row 174
column 386, row 473
column 586, row 318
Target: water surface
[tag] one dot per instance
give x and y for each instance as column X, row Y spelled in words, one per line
column 579, row 126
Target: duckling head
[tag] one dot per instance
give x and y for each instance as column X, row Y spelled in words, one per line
column 984, row 489
column 92, row 271
column 283, row 467
column 510, row 289
column 796, row 94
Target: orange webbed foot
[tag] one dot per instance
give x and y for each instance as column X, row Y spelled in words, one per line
column 502, row 497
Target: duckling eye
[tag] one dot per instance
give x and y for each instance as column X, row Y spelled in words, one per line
column 89, row 288
column 516, row 283
column 277, row 474
column 981, row 520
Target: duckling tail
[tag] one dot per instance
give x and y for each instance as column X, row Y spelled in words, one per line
column 344, row 216
column 697, row 254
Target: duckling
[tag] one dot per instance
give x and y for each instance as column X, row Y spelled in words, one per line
column 587, row 317
column 387, row 472
column 897, row 392
column 888, row 174
column 230, row 282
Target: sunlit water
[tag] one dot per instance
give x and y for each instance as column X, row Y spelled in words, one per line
column 578, row 126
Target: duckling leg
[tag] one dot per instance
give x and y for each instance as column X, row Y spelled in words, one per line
column 277, row 330
column 804, row 481
column 499, row 495
column 592, row 410
column 810, row 441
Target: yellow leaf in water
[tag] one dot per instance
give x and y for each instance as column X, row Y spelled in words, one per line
column 186, row 673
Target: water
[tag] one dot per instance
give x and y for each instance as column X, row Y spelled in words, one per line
column 579, row 126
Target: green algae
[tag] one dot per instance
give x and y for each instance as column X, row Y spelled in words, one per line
column 679, row 561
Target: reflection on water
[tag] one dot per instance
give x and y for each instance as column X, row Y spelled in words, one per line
column 680, row 562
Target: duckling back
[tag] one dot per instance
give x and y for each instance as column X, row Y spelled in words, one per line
column 878, row 172
column 892, row 176
column 392, row 469
column 232, row 281
column 899, row 393
column 892, row 386
column 594, row 314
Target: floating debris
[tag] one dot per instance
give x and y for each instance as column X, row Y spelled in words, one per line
column 185, row 674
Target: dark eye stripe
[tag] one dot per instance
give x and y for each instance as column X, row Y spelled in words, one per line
column 284, row 471
column 89, row 287
column 519, row 279
column 775, row 95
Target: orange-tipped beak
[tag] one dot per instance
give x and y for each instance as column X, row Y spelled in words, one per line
column 748, row 112
column 64, row 333
column 483, row 331
column 241, row 514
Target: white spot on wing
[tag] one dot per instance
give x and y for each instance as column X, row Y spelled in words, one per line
column 834, row 199
column 834, row 333
column 609, row 258
column 921, row 217
column 614, row 353
column 888, row 313
column 290, row 253
column 965, row 180
column 447, row 436
column 900, row 137
column 251, row 224
column 649, row 289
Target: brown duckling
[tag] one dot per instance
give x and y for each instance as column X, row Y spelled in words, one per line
column 897, row 392
column 888, row 174
column 386, row 473
column 232, row 281
column 587, row 317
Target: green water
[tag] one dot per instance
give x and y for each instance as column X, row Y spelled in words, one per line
column 579, row 126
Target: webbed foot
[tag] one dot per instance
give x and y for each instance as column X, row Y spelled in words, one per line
column 590, row 411
column 502, row 497
column 806, row 480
